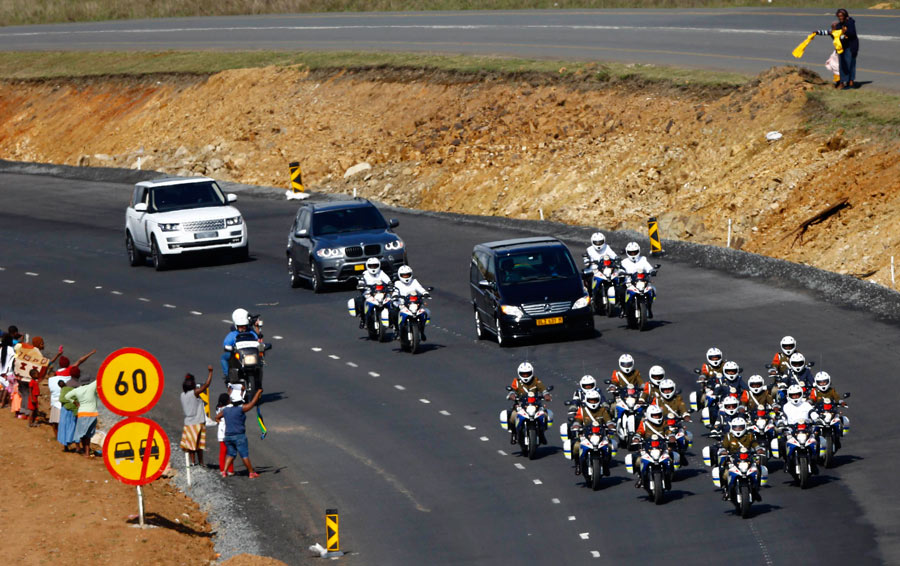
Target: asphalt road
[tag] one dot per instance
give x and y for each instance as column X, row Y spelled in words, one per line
column 408, row 448
column 745, row 40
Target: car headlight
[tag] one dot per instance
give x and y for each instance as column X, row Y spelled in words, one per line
column 170, row 227
column 582, row 302
column 236, row 221
column 330, row 252
column 512, row 310
column 394, row 246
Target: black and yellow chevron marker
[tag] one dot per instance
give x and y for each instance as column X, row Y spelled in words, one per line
column 332, row 539
column 655, row 243
column 296, row 179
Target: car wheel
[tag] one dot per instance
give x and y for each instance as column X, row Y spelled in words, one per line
column 160, row 262
column 315, row 278
column 292, row 273
column 135, row 257
column 479, row 329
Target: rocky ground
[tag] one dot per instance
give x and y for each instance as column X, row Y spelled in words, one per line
column 607, row 155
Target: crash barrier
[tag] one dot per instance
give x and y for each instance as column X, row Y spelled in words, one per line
column 296, row 177
column 655, row 243
column 332, row 535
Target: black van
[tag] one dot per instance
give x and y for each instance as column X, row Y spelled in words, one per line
column 526, row 287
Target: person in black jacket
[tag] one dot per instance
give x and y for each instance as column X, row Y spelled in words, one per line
column 850, row 43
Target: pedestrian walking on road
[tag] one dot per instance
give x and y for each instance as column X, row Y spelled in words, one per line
column 235, row 429
column 193, row 436
column 850, row 44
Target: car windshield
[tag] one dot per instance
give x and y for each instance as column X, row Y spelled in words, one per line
column 538, row 265
column 186, row 195
column 347, row 220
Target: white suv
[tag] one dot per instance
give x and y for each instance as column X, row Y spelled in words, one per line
column 171, row 216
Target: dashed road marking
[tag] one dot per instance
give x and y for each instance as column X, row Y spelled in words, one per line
column 520, row 466
column 537, row 481
column 196, row 313
column 399, row 388
column 144, row 299
column 168, row 306
column 502, row 453
column 374, row 374
column 353, row 365
column 469, row 427
column 116, row 292
column 595, row 553
column 98, row 286
column 571, row 517
column 584, row 536
column 68, row 281
column 334, row 357
column 426, row 401
column 762, row 545
column 31, row 274
column 226, row 321
column 2, row 269
column 484, row 439
column 555, row 501
column 445, row 412
column 277, row 337
column 316, row 349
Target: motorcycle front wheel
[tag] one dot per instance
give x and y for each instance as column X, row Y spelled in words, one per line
column 415, row 337
column 828, row 461
column 642, row 323
column 630, row 315
column 532, row 444
column 803, row 475
column 744, row 495
column 657, row 487
column 596, row 473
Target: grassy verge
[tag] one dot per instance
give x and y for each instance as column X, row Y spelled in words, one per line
column 868, row 110
column 22, row 12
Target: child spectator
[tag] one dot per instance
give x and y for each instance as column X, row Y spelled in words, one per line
column 224, row 401
column 86, row 424
column 68, row 409
column 235, row 431
column 34, row 395
column 193, row 436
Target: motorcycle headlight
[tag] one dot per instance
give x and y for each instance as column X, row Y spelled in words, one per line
column 413, row 307
column 512, row 310
column 330, row 252
column 743, row 467
column 607, row 272
column 170, row 227
column 236, row 221
column 582, row 302
column 801, row 438
column 394, row 246
column 250, row 359
column 595, row 439
column 641, row 285
column 531, row 410
column 630, row 402
column 655, row 453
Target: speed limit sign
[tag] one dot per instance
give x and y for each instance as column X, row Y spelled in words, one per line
column 130, row 382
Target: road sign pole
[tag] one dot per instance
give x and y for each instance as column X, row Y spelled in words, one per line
column 140, row 507
column 187, row 466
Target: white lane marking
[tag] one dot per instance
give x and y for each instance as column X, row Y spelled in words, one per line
column 595, row 553
column 571, row 517
column 196, row 313
column 426, row 401
column 316, row 349
column 68, row 281
column 143, row 299
column 469, row 427
column 226, row 321
column 277, row 337
column 555, row 501
column 762, row 545
column 520, row 466
column 484, row 439
column 2, row 269
column 168, row 306
column 116, row 292
column 31, row 274
column 333, row 357
column 98, row 286
column 584, row 536
column 351, row 364
column 374, row 374
column 502, row 453
column 445, row 412
column 399, row 388
column 537, row 482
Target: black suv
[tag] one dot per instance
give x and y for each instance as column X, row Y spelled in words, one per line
column 526, row 287
column 330, row 242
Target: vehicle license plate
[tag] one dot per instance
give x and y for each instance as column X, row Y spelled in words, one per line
column 204, row 235
column 359, row 267
column 551, row 320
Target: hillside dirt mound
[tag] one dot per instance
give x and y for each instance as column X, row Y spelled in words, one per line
column 601, row 154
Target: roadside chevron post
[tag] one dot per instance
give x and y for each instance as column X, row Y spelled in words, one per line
column 332, row 534
column 655, row 242
column 296, row 177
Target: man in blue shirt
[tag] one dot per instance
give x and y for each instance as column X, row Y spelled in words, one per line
column 236, row 430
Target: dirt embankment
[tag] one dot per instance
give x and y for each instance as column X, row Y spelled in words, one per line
column 608, row 156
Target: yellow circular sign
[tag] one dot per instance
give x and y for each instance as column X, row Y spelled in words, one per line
column 136, row 451
column 130, row 382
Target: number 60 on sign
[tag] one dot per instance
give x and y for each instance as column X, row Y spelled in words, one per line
column 130, row 382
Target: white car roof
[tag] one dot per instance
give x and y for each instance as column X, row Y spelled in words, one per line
column 173, row 181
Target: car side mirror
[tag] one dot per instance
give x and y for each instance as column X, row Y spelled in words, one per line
column 302, row 233
column 231, row 197
column 393, row 223
column 140, row 207
column 485, row 284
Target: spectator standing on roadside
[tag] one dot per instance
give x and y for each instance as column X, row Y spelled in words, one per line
column 34, row 395
column 224, row 401
column 850, row 43
column 193, row 435
column 235, row 429
column 7, row 355
column 86, row 424
column 66, row 433
column 56, row 382
column 25, row 388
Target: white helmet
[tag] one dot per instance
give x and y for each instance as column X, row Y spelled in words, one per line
column 730, row 406
column 633, row 250
column 756, row 384
column 592, row 399
column 731, row 370
column 656, row 374
column 588, row 383
column 526, row 372
column 240, row 317
column 654, row 415
column 667, row 389
column 714, row 357
column 823, row 381
column 626, row 364
column 405, row 273
column 788, row 345
column 797, row 362
column 795, row 395
column 737, row 426
column 598, row 240
column 373, row 265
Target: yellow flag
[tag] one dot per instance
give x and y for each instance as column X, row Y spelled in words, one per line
column 798, row 51
column 836, row 34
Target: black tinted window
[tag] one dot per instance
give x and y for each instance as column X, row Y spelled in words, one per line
column 537, row 265
column 347, row 220
column 188, row 195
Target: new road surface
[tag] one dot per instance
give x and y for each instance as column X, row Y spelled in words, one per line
column 744, row 40
column 409, row 448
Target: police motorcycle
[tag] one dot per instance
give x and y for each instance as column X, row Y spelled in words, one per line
column 628, row 411
column 744, row 474
column 412, row 317
column 604, row 279
column 246, row 358
column 681, row 439
column 801, row 443
column 705, row 396
column 784, row 380
column 376, row 309
column 530, row 420
column 832, row 427
column 638, row 296
column 656, row 467
column 762, row 424
column 590, row 447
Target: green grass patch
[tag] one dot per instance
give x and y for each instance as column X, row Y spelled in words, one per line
column 22, row 12
column 865, row 110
